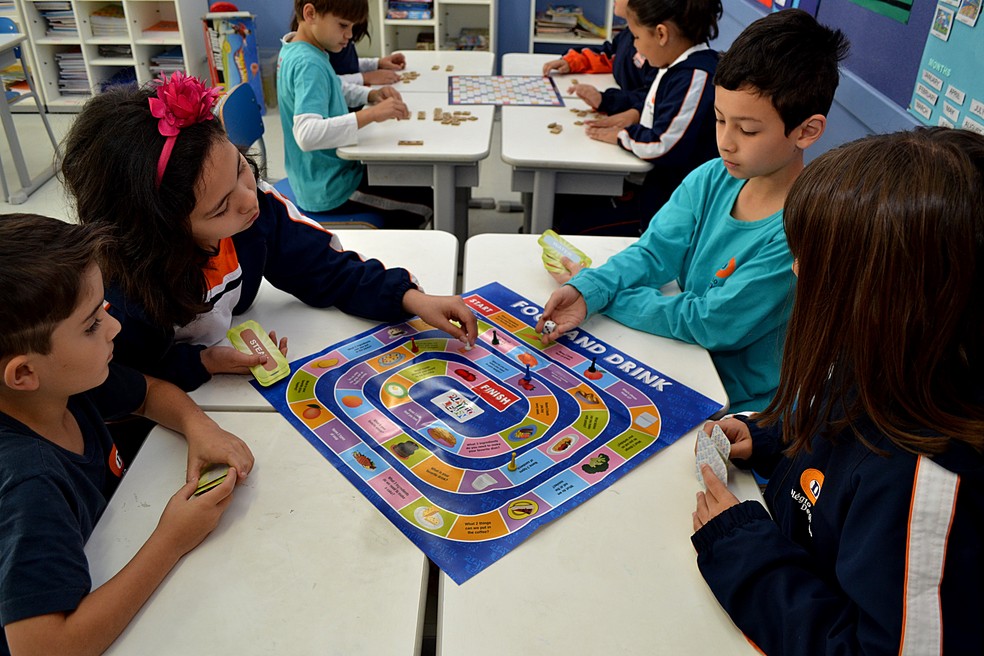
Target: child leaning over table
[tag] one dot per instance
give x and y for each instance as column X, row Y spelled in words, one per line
column 874, row 444
column 315, row 117
column 673, row 130
column 720, row 236
column 367, row 71
column 58, row 463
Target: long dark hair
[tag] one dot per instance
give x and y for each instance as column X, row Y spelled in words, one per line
column 110, row 165
column 696, row 19
column 887, row 323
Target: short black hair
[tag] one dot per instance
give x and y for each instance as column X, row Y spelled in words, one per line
column 789, row 58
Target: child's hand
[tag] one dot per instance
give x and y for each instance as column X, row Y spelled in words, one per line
column 620, row 120
column 737, row 433
column 379, row 95
column 587, row 93
column 571, row 267
column 395, row 62
column 389, row 108
column 382, row 76
column 559, row 65
column 715, row 501
column 187, row 519
column 227, row 360
column 608, row 135
column 211, row 445
column 566, row 308
column 439, row 311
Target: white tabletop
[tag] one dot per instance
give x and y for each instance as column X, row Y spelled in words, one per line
column 430, row 255
column 619, row 575
column 300, row 563
column 528, row 143
column 469, row 141
column 528, row 63
column 435, row 80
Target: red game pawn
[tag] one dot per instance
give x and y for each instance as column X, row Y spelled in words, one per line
column 592, row 373
column 413, row 346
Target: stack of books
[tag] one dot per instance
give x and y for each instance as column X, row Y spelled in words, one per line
column 72, row 79
column 59, row 18
column 560, row 20
column 108, row 21
column 472, row 38
column 164, row 29
column 415, row 10
column 116, row 51
column 167, row 62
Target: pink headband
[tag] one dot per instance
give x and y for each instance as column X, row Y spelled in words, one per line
column 181, row 101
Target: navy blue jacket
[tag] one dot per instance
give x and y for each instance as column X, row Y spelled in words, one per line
column 295, row 255
column 864, row 552
column 633, row 73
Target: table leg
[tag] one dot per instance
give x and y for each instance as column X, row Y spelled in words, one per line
column 544, row 188
column 444, row 199
column 27, row 185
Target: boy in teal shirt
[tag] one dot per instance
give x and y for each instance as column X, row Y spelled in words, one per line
column 720, row 236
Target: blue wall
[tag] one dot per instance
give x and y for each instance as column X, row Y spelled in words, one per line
column 272, row 19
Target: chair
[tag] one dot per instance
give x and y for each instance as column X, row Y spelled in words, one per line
column 28, row 185
column 242, row 118
column 368, row 220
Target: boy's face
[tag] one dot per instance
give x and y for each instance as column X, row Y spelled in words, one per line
column 329, row 31
column 226, row 195
column 81, row 345
column 751, row 136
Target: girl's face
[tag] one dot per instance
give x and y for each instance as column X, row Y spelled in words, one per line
column 650, row 42
column 226, row 193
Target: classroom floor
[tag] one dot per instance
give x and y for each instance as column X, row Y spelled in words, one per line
column 50, row 199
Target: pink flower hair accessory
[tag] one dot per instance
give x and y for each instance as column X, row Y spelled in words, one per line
column 182, row 100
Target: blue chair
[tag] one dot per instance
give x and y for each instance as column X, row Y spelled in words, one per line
column 7, row 26
column 242, row 117
column 369, row 220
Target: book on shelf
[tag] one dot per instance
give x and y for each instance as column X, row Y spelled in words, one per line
column 165, row 29
column 167, row 62
column 108, row 21
column 588, row 29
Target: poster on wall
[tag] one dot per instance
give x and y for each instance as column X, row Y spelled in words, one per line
column 809, row 6
column 895, row 9
column 949, row 89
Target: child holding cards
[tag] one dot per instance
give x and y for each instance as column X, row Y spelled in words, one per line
column 720, row 235
column 873, row 444
column 58, row 463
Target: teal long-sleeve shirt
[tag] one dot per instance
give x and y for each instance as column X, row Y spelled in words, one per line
column 736, row 280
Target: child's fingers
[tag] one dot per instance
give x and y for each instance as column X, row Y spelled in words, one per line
column 188, row 489
column 223, row 490
column 716, row 490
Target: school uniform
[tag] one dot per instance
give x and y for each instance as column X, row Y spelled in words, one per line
column 864, row 553
column 632, row 72
column 349, row 66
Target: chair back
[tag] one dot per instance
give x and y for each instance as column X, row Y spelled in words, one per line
column 8, row 26
column 241, row 115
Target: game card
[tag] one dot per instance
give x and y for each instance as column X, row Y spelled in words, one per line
column 555, row 248
column 249, row 338
column 212, row 477
column 708, row 454
column 721, row 442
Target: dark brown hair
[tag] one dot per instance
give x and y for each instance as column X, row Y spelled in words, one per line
column 696, row 19
column 789, row 58
column 42, row 264
column 356, row 11
column 886, row 327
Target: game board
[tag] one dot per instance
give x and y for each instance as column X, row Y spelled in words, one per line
column 426, row 429
column 503, row 90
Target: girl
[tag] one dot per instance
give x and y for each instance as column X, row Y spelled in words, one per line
column 675, row 129
column 196, row 232
column 874, row 442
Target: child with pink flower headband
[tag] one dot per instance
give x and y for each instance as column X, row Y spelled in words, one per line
column 196, row 232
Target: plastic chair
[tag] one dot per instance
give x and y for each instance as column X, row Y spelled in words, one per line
column 359, row 220
column 7, row 26
column 242, row 117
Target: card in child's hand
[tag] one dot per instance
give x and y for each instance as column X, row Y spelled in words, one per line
column 556, row 247
column 211, row 477
column 721, row 442
column 708, row 454
column 249, row 338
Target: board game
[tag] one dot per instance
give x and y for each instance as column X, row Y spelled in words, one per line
column 503, row 90
column 469, row 451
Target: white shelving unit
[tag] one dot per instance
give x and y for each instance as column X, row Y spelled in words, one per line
column 599, row 12
column 450, row 17
column 140, row 15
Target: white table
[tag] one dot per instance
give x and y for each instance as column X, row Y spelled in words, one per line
column 300, row 563
column 618, row 575
column 447, row 160
column 431, row 80
column 527, row 63
column 545, row 164
column 431, row 255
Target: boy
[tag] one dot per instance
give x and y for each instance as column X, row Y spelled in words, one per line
column 315, row 116
column 720, row 236
column 58, row 464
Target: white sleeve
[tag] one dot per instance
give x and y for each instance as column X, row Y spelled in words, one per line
column 352, row 78
column 356, row 95
column 314, row 132
column 368, row 64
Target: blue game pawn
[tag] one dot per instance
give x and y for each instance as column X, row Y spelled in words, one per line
column 528, row 377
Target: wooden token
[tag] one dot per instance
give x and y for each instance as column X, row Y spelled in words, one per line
column 406, row 142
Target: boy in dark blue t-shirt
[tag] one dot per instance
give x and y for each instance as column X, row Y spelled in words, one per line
column 58, row 463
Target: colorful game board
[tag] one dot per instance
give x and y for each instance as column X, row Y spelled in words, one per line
column 458, row 449
column 503, row 90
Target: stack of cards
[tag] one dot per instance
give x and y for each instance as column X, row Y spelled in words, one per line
column 249, row 338
column 211, row 477
column 713, row 449
column 556, row 247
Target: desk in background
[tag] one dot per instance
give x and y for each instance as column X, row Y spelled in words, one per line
column 524, row 63
column 431, row 80
column 430, row 255
column 299, row 564
column 618, row 575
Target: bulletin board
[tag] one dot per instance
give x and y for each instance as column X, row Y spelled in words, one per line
column 949, row 88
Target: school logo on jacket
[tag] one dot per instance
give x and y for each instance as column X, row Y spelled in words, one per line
column 723, row 274
column 115, row 463
column 811, row 480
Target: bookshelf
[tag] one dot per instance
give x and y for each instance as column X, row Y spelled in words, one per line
column 450, row 25
column 79, row 46
column 598, row 12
